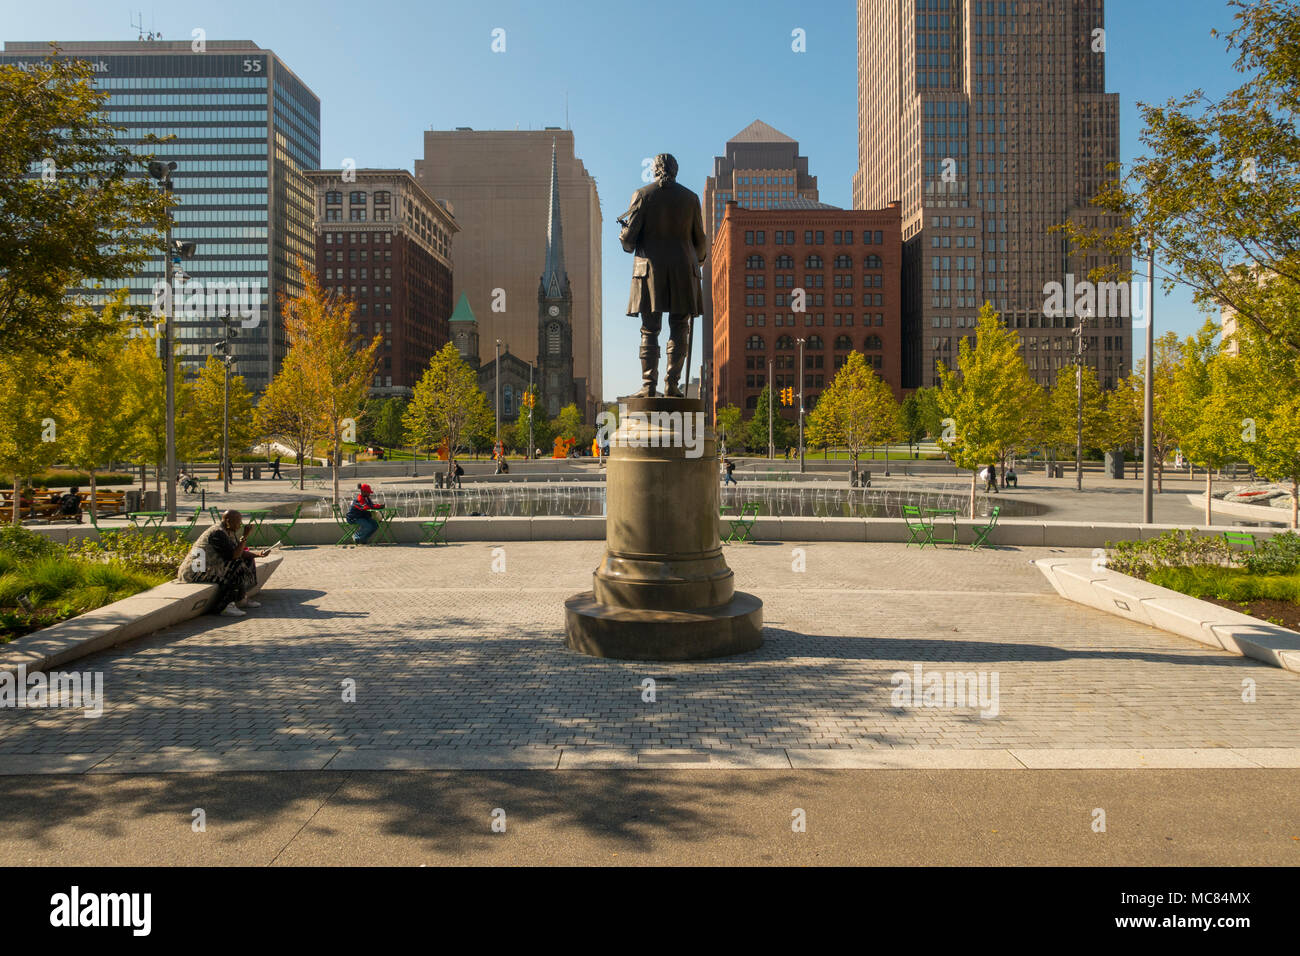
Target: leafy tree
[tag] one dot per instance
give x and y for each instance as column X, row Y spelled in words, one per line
column 388, row 429
column 31, row 392
column 92, row 416
column 568, row 424
column 206, row 410
column 1257, row 395
column 1061, row 416
column 1206, row 436
column 857, row 410
column 87, row 215
column 543, row 435
column 986, row 399
column 145, row 407
column 756, row 428
column 911, row 419
column 284, row 416
column 447, row 406
column 727, row 424
column 337, row 367
column 1164, row 424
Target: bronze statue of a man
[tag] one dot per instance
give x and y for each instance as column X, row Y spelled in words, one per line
column 664, row 228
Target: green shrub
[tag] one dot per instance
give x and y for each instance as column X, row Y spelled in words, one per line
column 1228, row 584
column 23, row 544
column 1173, row 549
column 150, row 553
column 1278, row 555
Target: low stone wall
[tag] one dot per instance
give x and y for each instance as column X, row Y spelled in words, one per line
column 172, row 603
column 1013, row 532
column 1084, row 582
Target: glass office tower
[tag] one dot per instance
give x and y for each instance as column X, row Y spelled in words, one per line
column 245, row 128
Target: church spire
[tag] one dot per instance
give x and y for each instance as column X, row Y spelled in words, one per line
column 554, row 279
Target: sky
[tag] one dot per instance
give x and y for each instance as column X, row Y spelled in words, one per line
column 639, row 79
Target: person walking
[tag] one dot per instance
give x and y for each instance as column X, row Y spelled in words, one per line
column 221, row 555
column 359, row 515
column 991, row 479
column 728, row 477
column 275, row 467
column 460, row 473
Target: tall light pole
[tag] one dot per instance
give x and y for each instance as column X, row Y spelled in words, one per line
column 1078, row 389
column 226, row 360
column 1148, row 503
column 496, row 447
column 801, row 466
column 163, row 173
column 531, row 402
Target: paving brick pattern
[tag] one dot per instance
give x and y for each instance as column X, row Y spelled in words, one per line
column 447, row 653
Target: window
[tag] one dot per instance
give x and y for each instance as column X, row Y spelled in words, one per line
column 843, row 343
column 333, row 198
column 357, row 198
column 755, row 343
column 873, row 343
column 872, row 262
column 382, row 198
column 357, row 215
column 813, row 262
column 815, row 342
column 785, row 342
column 754, row 262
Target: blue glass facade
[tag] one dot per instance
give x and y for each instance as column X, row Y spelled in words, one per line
column 245, row 128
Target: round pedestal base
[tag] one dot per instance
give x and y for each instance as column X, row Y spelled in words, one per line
column 632, row 634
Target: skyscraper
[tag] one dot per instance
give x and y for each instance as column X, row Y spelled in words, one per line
column 497, row 182
column 245, row 128
column 989, row 121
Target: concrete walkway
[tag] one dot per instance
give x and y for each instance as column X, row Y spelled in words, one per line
column 453, row 661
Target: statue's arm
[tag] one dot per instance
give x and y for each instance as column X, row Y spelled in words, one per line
column 699, row 237
column 635, row 220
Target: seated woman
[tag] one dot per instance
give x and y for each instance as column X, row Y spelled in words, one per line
column 221, row 556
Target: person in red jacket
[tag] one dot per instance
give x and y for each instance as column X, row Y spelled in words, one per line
column 359, row 515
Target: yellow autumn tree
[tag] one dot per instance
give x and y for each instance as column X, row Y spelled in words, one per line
column 857, row 411
column 335, row 362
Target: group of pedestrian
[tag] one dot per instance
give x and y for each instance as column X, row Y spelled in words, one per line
column 989, row 475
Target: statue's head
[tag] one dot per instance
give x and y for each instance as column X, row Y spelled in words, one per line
column 665, row 167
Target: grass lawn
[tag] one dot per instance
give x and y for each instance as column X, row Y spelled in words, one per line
column 58, row 587
column 1270, row 597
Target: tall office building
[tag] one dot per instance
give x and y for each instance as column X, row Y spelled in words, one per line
column 385, row 243
column 246, row 128
column 498, row 183
column 760, row 169
column 989, row 121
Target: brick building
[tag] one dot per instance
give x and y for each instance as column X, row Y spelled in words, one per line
column 385, row 243
column 848, row 264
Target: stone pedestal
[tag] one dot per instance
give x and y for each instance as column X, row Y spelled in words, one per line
column 663, row 591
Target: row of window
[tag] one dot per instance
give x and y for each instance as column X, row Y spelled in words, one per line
column 337, row 273
column 812, row 237
column 813, row 261
column 815, row 343
column 334, row 197
column 185, row 116
column 332, row 256
column 358, row 215
column 332, row 238
column 364, row 292
column 819, row 318
column 219, row 215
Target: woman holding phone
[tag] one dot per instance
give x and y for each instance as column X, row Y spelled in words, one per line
column 221, row 556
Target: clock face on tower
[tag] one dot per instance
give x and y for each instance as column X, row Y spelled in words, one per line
column 553, row 310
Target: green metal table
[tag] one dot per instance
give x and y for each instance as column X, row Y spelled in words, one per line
column 935, row 513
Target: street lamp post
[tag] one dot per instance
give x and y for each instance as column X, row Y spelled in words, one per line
column 801, row 460
column 531, row 402
column 1147, row 499
column 163, row 173
column 1078, row 413
column 496, row 447
column 226, row 360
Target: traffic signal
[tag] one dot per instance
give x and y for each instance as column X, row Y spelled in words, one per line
column 787, row 396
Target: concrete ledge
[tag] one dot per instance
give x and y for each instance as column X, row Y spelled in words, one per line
column 1240, row 509
column 1145, row 603
column 171, row 603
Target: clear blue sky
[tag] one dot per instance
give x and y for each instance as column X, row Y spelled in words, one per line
column 386, row 71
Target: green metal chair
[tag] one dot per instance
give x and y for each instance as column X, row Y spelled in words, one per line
column 921, row 532
column 347, row 529
column 281, row 531
column 982, row 532
column 742, row 526
column 194, row 519
column 433, row 530
column 1240, row 537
